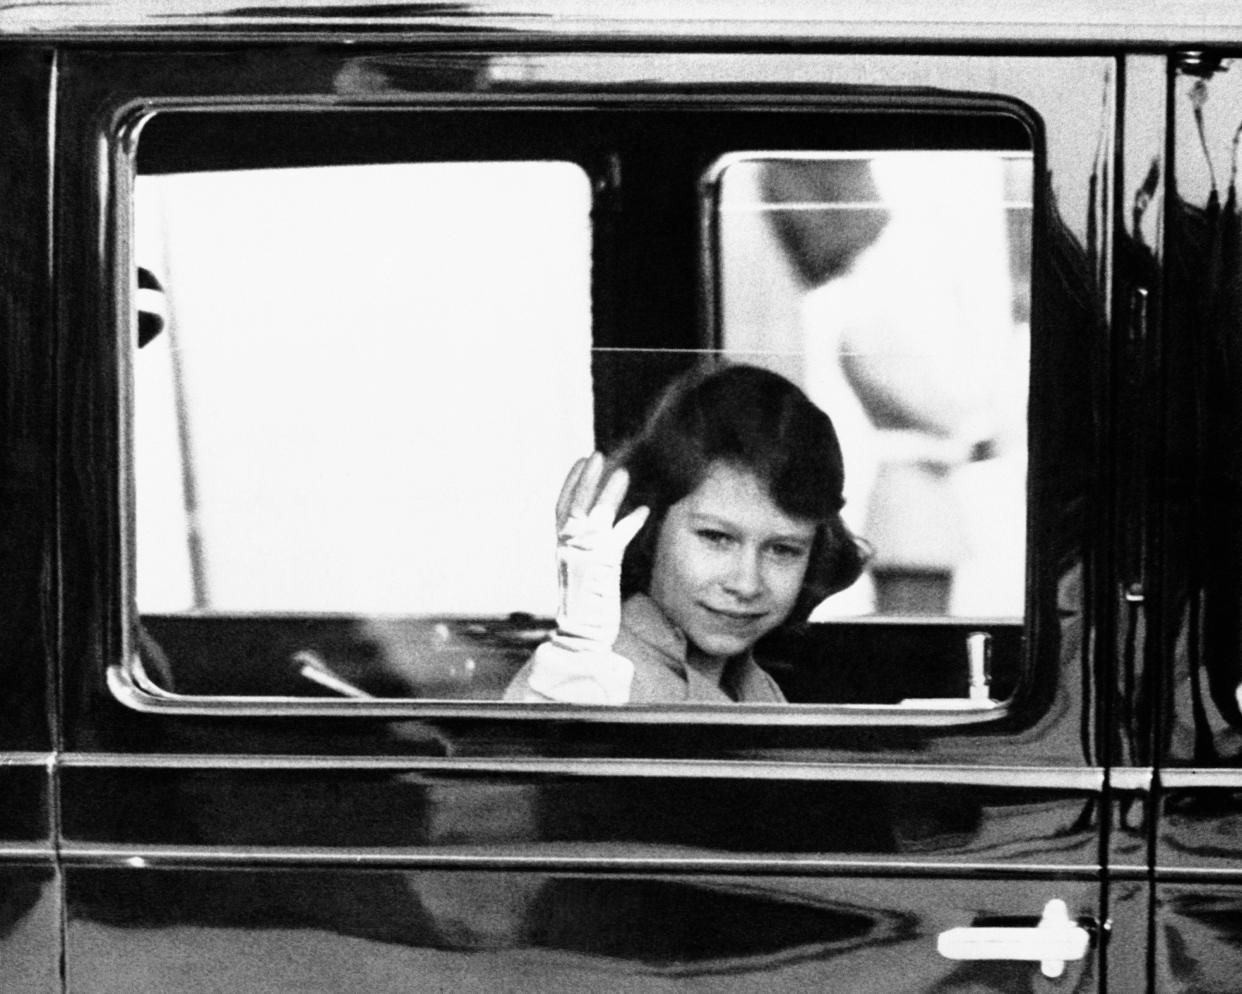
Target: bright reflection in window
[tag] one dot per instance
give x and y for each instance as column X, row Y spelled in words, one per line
column 383, row 373
column 894, row 287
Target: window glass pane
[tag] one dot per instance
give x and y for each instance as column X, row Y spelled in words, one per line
column 367, row 388
column 894, row 287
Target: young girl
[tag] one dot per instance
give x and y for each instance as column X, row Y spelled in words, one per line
column 729, row 502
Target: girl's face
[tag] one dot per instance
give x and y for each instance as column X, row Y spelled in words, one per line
column 728, row 562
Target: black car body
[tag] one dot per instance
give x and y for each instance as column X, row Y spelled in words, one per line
column 185, row 812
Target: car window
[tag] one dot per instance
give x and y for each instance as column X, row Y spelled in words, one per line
column 356, row 389
column 894, row 287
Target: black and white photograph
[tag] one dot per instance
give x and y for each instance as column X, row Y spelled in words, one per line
column 544, row 496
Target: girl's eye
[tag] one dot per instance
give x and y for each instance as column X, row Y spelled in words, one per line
column 788, row 553
column 715, row 538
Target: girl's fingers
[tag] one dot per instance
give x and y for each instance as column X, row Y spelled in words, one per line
column 629, row 526
column 568, row 489
column 582, row 494
column 610, row 498
column 594, row 514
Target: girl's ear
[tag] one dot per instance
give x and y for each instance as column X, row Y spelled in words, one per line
column 837, row 560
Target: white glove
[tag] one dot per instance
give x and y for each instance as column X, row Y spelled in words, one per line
column 590, row 547
column 577, row 665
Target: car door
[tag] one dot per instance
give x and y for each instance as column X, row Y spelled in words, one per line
column 227, row 820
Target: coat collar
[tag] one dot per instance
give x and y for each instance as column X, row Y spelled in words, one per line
column 668, row 661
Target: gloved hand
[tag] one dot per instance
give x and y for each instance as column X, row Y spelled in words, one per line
column 590, row 547
column 577, row 664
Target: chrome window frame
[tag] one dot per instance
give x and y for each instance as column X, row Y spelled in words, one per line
column 126, row 678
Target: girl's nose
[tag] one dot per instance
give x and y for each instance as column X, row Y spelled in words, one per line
column 745, row 577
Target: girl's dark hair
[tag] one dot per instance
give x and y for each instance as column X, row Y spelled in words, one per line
column 758, row 421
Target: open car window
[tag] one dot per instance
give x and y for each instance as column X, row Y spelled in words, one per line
column 356, row 389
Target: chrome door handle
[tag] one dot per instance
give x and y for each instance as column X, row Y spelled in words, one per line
column 979, row 666
column 1056, row 940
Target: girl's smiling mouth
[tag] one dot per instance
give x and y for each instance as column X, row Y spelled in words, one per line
column 736, row 617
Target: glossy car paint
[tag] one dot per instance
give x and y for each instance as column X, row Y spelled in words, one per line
column 1198, row 873
column 567, row 931
column 30, row 892
column 207, row 853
